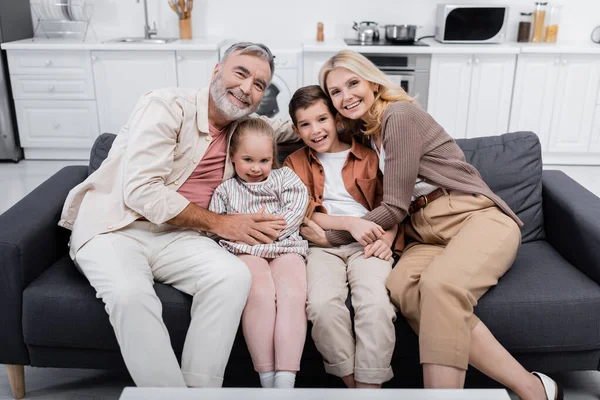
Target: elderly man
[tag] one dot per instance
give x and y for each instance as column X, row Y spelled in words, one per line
column 142, row 217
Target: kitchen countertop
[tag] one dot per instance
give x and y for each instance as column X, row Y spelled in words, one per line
column 441, row 48
column 67, row 44
column 329, row 46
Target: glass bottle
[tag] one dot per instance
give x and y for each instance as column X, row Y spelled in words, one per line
column 539, row 16
column 524, row 27
column 552, row 23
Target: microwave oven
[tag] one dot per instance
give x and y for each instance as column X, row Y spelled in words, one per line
column 472, row 23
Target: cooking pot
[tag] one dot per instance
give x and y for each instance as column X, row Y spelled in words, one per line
column 366, row 31
column 400, row 33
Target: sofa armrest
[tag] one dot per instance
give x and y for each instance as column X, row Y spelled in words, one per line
column 572, row 221
column 30, row 242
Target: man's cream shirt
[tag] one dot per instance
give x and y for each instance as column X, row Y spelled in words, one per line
column 152, row 156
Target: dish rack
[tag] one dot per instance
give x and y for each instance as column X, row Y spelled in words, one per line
column 62, row 18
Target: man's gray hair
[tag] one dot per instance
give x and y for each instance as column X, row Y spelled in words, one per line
column 255, row 49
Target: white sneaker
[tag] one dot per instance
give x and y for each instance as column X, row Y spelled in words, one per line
column 553, row 391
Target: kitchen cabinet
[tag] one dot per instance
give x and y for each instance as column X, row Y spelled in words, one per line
column 52, row 124
column 312, row 65
column 556, row 97
column 195, row 68
column 55, row 103
column 122, row 77
column 595, row 138
column 449, row 83
column 469, row 95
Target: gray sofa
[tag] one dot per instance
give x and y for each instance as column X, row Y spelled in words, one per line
column 545, row 310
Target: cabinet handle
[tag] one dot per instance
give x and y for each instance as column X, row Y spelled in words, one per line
column 51, row 88
column 56, row 126
column 94, row 58
column 565, row 62
column 179, row 58
column 477, row 61
column 556, row 62
column 48, row 63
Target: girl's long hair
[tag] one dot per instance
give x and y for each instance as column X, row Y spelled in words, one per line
column 387, row 93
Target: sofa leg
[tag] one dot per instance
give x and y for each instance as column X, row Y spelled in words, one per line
column 16, row 377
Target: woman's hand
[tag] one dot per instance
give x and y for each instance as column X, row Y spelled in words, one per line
column 363, row 231
column 313, row 233
column 380, row 249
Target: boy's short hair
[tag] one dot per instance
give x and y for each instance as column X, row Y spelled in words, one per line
column 307, row 96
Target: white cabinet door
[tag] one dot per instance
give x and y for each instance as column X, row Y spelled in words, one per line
column 121, row 78
column 573, row 113
column 449, row 90
column 595, row 139
column 534, row 95
column 312, row 65
column 57, row 123
column 195, row 68
column 491, row 91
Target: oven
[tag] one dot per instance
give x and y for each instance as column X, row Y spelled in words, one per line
column 410, row 71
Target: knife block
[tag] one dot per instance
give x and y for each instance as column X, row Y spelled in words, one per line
column 185, row 28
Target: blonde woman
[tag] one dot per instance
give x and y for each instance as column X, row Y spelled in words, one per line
column 464, row 237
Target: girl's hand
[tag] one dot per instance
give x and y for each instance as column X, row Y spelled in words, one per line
column 379, row 249
column 363, row 231
column 314, row 233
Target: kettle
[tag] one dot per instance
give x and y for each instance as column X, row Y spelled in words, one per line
column 367, row 31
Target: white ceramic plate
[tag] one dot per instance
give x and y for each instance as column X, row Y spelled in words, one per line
column 76, row 8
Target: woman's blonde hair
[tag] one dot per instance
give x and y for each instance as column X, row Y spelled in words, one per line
column 256, row 125
column 387, row 93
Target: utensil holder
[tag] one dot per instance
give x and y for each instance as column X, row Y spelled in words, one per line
column 185, row 28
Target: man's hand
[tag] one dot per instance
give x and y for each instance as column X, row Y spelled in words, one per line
column 314, row 233
column 379, row 249
column 251, row 229
column 363, row 231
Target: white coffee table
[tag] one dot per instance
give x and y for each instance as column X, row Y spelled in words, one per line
column 133, row 393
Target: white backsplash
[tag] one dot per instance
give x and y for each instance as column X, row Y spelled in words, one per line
column 284, row 21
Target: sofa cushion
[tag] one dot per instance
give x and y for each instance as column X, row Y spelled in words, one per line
column 100, row 150
column 60, row 309
column 511, row 165
column 532, row 309
column 539, row 300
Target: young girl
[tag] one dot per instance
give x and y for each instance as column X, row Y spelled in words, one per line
column 274, row 319
column 464, row 236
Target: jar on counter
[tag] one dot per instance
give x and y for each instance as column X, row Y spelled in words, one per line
column 539, row 17
column 552, row 23
column 524, row 27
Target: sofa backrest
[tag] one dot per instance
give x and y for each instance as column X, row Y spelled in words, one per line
column 511, row 164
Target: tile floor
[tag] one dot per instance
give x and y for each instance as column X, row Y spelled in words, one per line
column 16, row 180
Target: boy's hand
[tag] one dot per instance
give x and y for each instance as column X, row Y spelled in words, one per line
column 312, row 232
column 380, row 249
column 363, row 231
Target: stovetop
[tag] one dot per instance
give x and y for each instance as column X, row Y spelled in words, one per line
column 382, row 42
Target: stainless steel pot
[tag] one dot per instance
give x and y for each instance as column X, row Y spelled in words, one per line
column 400, row 33
column 366, row 31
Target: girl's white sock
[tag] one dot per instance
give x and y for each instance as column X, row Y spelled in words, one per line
column 267, row 379
column 284, row 380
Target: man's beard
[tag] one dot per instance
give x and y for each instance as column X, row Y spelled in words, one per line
column 229, row 110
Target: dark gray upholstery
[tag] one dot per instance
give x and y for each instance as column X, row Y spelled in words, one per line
column 511, row 165
column 100, row 150
column 544, row 310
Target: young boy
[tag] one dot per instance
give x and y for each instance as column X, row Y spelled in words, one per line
column 343, row 182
